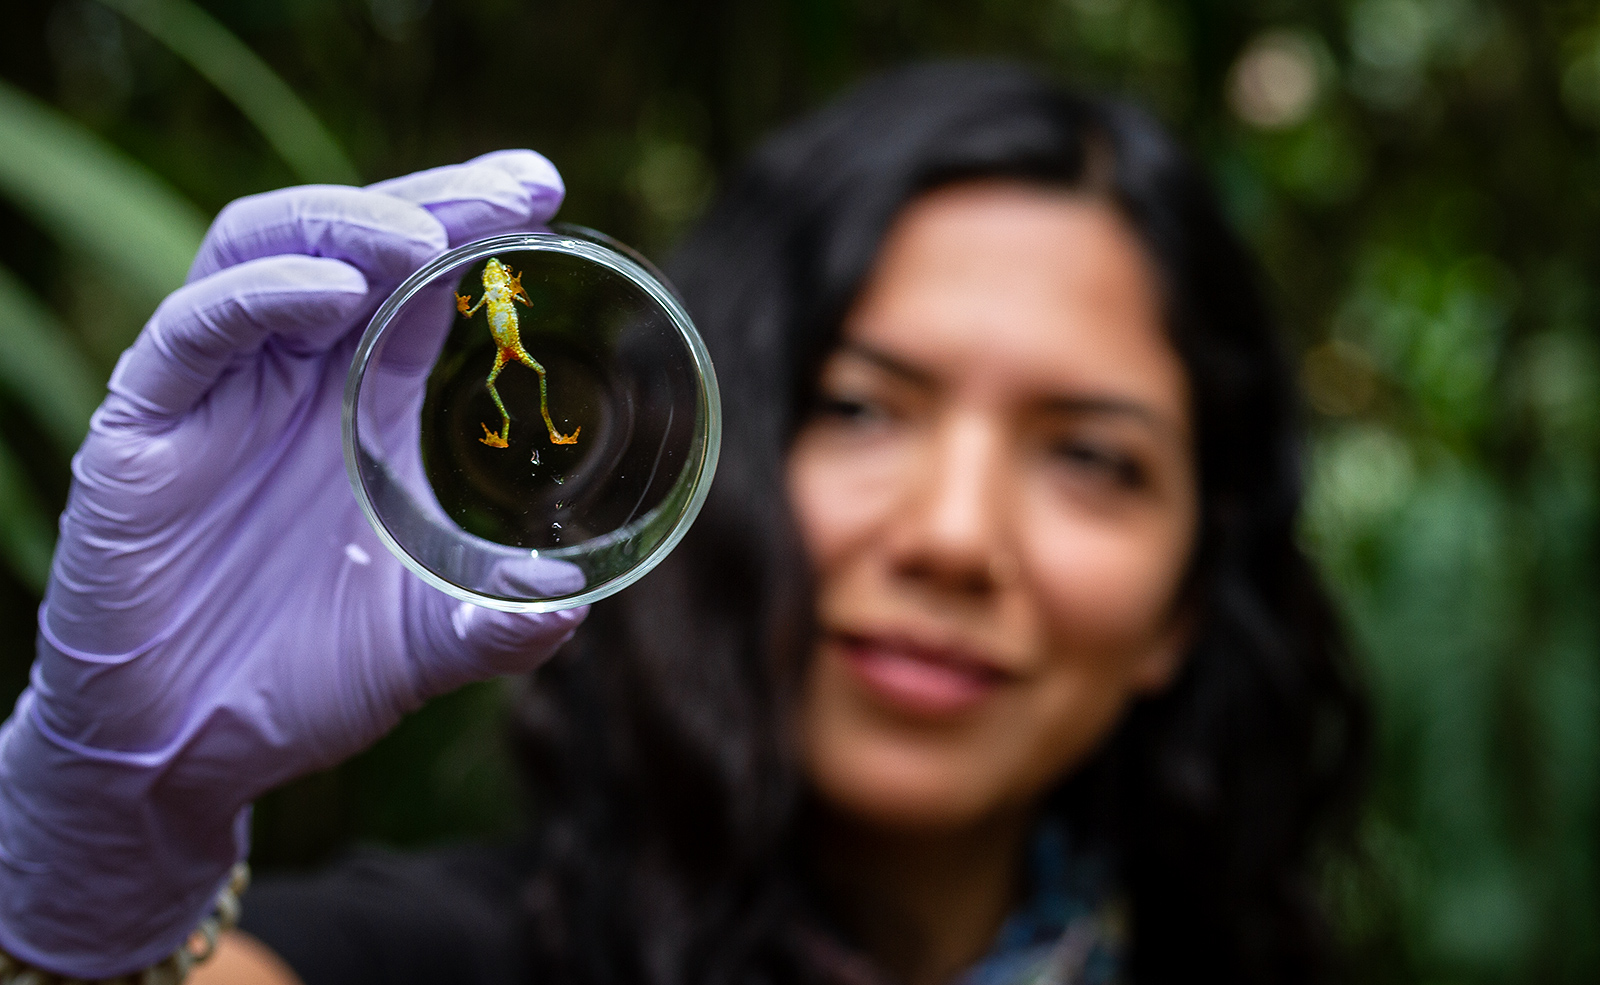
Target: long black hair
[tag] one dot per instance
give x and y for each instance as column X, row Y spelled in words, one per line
column 659, row 744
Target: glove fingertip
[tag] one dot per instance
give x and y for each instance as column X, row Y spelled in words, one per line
column 535, row 173
column 476, row 623
column 528, row 167
column 513, row 642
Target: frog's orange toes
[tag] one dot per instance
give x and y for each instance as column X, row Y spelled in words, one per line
column 492, row 439
column 565, row 439
column 463, row 303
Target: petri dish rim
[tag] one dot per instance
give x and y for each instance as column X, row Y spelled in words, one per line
column 570, row 243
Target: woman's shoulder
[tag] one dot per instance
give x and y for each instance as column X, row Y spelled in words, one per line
column 381, row 917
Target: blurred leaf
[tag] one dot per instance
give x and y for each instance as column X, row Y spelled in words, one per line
column 39, row 368
column 27, row 538
column 238, row 73
column 95, row 198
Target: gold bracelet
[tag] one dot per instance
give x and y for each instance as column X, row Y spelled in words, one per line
column 200, row 945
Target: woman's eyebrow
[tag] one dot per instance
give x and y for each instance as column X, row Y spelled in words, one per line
column 1100, row 405
column 1077, row 406
column 1064, row 405
column 889, row 364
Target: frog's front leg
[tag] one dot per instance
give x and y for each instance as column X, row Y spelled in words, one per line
column 503, row 439
column 517, row 293
column 463, row 300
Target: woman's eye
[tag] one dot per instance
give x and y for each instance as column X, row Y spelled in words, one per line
column 1102, row 462
column 847, row 409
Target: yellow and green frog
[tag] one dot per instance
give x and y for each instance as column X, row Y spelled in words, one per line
column 501, row 288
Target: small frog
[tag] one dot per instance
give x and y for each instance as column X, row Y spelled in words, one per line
column 500, row 288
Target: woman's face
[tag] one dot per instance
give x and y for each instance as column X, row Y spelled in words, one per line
column 998, row 493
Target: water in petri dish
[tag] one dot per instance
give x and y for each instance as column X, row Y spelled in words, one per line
column 594, row 474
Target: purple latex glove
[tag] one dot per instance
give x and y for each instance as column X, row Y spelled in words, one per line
column 220, row 617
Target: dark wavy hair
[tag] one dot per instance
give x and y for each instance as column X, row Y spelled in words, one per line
column 659, row 744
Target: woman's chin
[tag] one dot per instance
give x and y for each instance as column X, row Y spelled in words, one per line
column 900, row 794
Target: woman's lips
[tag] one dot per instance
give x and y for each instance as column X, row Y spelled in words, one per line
column 919, row 679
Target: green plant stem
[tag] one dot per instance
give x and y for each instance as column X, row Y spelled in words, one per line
column 266, row 100
column 94, row 198
column 41, row 369
column 27, row 538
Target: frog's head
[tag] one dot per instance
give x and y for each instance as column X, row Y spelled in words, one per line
column 495, row 272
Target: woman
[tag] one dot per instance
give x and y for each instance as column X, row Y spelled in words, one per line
column 992, row 654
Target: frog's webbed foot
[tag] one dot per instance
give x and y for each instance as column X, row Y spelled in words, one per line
column 463, row 303
column 557, row 438
column 492, row 439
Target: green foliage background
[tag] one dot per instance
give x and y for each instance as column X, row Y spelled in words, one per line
column 1428, row 210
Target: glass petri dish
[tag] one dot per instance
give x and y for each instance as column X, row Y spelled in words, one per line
column 531, row 422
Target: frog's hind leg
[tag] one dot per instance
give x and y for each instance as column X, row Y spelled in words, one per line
column 501, row 440
column 556, row 437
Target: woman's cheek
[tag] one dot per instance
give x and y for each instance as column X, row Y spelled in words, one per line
column 843, row 488
column 1107, row 581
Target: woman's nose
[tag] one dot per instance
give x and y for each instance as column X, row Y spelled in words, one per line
column 953, row 532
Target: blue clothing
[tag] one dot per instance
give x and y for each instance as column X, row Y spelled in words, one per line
column 457, row 916
column 1069, row 932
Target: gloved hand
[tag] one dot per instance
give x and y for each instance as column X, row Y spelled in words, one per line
column 220, row 617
